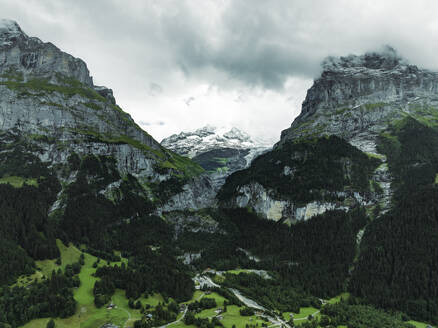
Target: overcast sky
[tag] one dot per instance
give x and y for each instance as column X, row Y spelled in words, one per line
column 179, row 65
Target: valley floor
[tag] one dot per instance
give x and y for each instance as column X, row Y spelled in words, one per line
column 89, row 316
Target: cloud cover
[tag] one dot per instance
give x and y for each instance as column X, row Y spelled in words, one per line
column 246, row 63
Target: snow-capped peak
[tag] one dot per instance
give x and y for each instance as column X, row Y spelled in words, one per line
column 9, row 32
column 9, row 24
column 208, row 138
column 237, row 134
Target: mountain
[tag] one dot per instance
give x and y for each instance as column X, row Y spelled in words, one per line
column 72, row 163
column 48, row 98
column 366, row 140
column 356, row 98
column 50, row 95
column 219, row 151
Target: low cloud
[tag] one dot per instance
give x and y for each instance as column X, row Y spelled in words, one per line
column 189, row 100
column 155, row 89
column 157, row 123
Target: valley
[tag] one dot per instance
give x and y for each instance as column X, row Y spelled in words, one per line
column 102, row 226
column 87, row 315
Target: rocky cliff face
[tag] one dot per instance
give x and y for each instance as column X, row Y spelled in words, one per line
column 218, row 150
column 48, row 99
column 261, row 200
column 356, row 98
column 297, row 181
column 32, row 57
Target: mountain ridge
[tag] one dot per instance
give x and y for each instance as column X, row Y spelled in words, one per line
column 356, row 93
column 210, row 137
column 31, row 55
column 220, row 151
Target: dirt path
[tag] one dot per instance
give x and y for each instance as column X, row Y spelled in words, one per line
column 184, row 314
column 129, row 317
column 313, row 314
column 129, row 313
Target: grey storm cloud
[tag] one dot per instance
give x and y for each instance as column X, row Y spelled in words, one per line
column 145, row 123
column 247, row 43
column 262, row 43
column 254, row 42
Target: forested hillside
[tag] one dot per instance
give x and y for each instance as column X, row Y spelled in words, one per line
column 397, row 267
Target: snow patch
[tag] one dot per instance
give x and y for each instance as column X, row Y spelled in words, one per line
column 9, row 31
column 9, row 25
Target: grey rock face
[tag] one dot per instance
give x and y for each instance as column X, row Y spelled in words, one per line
column 362, row 95
column 264, row 202
column 197, row 194
column 106, row 93
column 63, row 119
column 192, row 222
column 31, row 56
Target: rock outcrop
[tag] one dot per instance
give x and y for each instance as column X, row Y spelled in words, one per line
column 197, row 193
column 258, row 198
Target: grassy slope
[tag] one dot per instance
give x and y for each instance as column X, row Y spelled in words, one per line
column 18, row 182
column 418, row 324
column 233, row 317
column 338, row 298
column 237, row 271
column 87, row 315
column 230, row 318
column 69, row 255
column 302, row 316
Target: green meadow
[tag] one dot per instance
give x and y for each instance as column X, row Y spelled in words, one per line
column 87, row 315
